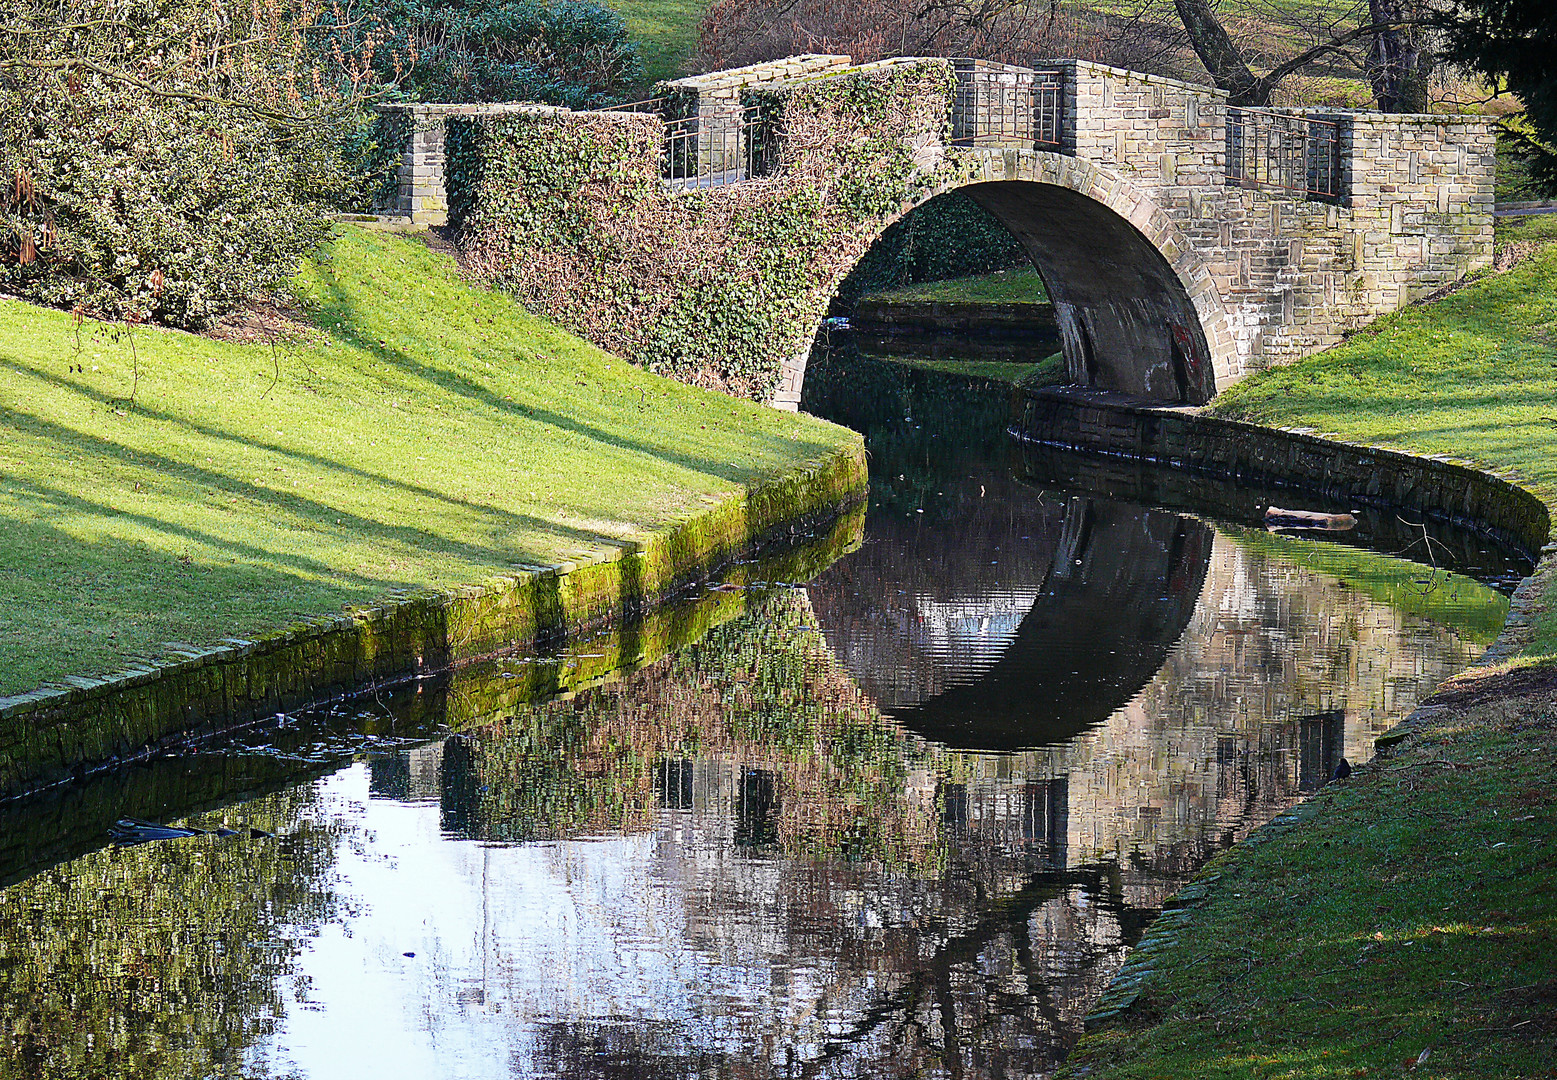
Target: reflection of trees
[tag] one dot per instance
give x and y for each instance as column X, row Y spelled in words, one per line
column 819, row 771
column 167, row 959
column 58, row 826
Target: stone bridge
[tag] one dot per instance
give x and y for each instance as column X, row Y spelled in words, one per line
column 1183, row 241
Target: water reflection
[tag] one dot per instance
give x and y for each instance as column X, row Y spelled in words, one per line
column 905, row 820
column 1082, row 597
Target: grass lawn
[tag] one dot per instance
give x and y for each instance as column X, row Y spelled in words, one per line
column 428, row 433
column 1022, row 286
column 1406, row 924
column 665, row 30
column 1045, row 372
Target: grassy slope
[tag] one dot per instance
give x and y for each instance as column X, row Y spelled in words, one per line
column 431, row 434
column 1414, row 910
column 665, row 30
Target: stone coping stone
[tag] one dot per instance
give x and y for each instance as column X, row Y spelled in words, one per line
column 767, row 71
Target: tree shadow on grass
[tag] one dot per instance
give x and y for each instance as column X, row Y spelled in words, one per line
column 286, row 503
column 502, row 518
column 346, row 309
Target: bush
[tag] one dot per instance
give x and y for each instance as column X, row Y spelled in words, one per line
column 566, row 52
column 169, row 159
column 151, row 209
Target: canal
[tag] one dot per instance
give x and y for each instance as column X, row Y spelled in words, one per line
column 886, row 803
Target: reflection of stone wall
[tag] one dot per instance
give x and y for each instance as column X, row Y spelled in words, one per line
column 842, row 891
column 1213, row 745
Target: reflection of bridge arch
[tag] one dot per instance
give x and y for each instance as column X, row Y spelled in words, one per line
column 1137, row 307
column 1101, row 614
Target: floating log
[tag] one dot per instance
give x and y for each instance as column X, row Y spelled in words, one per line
column 1277, row 518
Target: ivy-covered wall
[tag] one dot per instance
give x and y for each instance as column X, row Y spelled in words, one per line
column 717, row 287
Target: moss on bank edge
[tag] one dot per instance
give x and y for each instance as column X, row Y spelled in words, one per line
column 161, row 489
column 1403, row 921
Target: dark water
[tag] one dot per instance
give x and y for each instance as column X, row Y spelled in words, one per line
column 904, row 819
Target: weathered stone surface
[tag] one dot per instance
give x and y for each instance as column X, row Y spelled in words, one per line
column 1443, row 490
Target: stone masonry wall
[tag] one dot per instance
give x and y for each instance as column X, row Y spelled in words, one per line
column 1296, row 274
column 1437, row 488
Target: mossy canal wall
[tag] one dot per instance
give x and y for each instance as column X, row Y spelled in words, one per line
column 1303, row 462
column 51, row 733
column 1435, row 488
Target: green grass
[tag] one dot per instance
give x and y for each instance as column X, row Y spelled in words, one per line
column 1411, row 911
column 430, row 434
column 1395, row 583
column 1472, row 376
column 1002, row 287
column 1043, row 373
column 665, row 30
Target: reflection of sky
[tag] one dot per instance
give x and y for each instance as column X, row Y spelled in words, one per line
column 969, row 635
column 509, row 937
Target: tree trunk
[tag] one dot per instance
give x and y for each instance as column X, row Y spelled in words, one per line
column 1398, row 65
column 1220, row 56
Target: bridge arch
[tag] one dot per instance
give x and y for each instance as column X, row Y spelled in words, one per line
column 1139, row 312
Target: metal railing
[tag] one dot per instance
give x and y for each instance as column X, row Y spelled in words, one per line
column 718, row 147
column 712, row 148
column 1284, row 152
column 1008, row 106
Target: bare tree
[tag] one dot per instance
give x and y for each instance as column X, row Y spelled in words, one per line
column 1398, row 64
column 286, row 62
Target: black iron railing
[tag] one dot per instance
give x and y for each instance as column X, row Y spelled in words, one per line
column 719, row 147
column 1002, row 105
column 1284, row 152
column 714, row 147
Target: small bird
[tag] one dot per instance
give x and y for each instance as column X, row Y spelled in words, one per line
column 1342, row 771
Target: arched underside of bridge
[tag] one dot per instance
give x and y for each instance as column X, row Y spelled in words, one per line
column 1138, row 311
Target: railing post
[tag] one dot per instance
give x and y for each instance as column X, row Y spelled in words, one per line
column 1290, row 152
column 1000, row 104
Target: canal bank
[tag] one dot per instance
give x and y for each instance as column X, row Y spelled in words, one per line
column 796, row 826
column 399, row 473
column 1402, row 920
